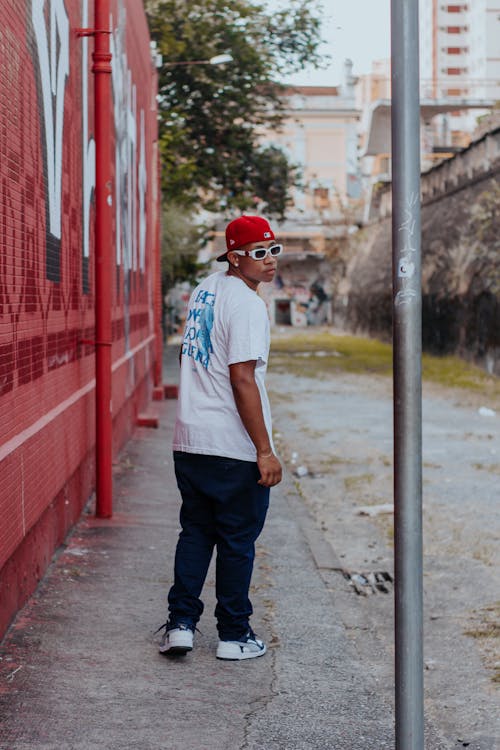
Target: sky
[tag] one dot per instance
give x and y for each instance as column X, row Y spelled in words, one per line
column 355, row 29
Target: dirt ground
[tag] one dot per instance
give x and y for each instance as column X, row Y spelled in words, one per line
column 339, row 428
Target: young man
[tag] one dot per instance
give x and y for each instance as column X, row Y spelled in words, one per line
column 223, row 449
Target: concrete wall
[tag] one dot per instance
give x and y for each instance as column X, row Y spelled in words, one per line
column 460, row 258
column 472, row 165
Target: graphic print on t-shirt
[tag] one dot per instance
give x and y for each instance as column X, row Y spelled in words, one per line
column 197, row 343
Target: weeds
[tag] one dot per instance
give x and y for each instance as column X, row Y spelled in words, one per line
column 356, row 354
column 491, row 468
column 486, row 633
column 356, row 481
column 488, row 630
column 341, row 353
column 330, row 461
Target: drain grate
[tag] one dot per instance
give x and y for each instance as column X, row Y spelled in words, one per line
column 364, row 584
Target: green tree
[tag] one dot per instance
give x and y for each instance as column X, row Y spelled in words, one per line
column 182, row 239
column 210, row 115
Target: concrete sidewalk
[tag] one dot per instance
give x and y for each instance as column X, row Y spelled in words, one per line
column 80, row 668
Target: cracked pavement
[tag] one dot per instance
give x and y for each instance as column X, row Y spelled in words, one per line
column 80, row 669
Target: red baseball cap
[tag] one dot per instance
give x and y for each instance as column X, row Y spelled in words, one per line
column 244, row 230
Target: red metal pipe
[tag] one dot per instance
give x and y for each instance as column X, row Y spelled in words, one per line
column 158, row 370
column 103, row 254
column 154, row 214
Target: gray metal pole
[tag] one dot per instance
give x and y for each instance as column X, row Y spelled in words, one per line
column 407, row 334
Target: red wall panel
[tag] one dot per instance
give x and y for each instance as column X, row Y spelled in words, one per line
column 47, row 212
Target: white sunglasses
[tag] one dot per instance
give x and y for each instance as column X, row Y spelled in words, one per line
column 261, row 252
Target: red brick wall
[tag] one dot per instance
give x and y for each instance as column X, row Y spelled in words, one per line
column 46, row 267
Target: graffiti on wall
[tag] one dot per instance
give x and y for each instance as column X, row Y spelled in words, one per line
column 47, row 186
column 130, row 176
column 52, row 42
column 88, row 155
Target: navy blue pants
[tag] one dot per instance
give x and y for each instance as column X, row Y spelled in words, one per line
column 222, row 507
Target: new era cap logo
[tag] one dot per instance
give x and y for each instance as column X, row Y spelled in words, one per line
column 231, row 242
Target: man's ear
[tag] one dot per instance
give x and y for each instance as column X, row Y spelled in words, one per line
column 232, row 258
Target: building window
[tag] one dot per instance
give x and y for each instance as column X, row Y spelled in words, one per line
column 384, row 164
column 321, row 198
column 455, row 29
column 454, row 8
column 459, row 139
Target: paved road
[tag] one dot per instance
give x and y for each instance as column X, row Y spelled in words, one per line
column 340, row 429
column 80, row 670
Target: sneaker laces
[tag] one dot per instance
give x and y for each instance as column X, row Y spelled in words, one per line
column 249, row 636
column 180, row 626
column 162, row 627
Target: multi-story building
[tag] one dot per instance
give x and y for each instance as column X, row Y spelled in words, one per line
column 319, row 134
column 459, row 61
column 373, row 96
column 459, row 84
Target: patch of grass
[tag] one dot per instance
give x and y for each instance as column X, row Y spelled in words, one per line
column 357, row 354
column 483, row 553
column 278, row 398
column 492, row 468
column 299, row 489
column 390, row 534
column 331, row 461
column 313, row 433
column 488, row 630
column 478, row 437
column 344, row 353
column 75, row 572
column 487, row 634
column 454, row 372
column 353, row 482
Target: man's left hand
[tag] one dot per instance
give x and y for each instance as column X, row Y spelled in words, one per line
column 270, row 471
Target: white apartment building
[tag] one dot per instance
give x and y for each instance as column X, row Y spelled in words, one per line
column 459, row 61
column 459, row 82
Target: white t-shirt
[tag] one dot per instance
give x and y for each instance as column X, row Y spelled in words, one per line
column 226, row 323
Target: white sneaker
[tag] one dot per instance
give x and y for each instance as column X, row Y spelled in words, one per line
column 248, row 648
column 178, row 640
